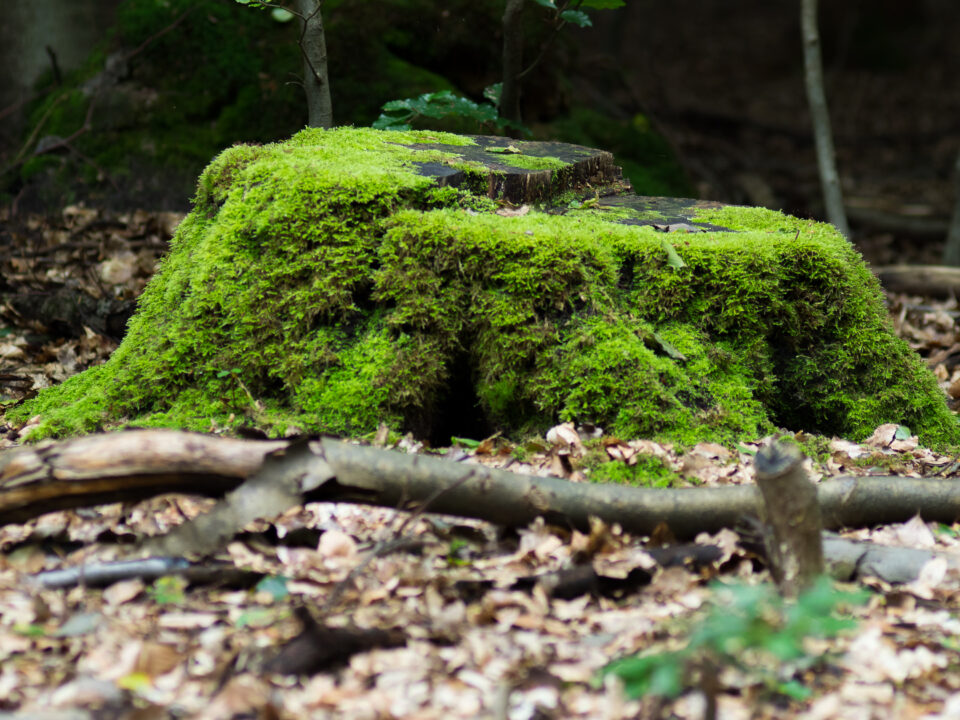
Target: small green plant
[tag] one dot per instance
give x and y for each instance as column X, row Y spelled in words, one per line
column 401, row 114
column 458, row 552
column 168, row 590
column 750, row 628
column 467, row 443
column 947, row 530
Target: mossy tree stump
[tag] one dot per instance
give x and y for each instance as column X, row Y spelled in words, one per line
column 351, row 277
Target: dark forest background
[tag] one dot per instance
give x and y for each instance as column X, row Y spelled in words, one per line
column 121, row 104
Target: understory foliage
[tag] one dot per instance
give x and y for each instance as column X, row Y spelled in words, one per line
column 324, row 285
column 750, row 629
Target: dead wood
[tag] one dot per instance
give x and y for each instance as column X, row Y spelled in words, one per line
column 791, row 510
column 852, row 560
column 319, row 647
column 138, row 464
column 926, row 280
column 208, row 572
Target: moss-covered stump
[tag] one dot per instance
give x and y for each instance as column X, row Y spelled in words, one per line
column 331, row 283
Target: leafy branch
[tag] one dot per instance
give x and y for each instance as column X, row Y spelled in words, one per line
column 400, row 114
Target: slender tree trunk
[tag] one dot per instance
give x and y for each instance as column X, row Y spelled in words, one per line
column 313, row 46
column 951, row 253
column 820, row 115
column 512, row 60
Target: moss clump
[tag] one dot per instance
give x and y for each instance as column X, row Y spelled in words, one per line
column 325, row 284
column 647, row 471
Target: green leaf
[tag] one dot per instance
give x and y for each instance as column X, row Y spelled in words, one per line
column 668, row 348
column 902, row 433
column 673, row 259
column 136, row 681
column 783, row 646
column 168, row 590
column 385, row 122
column 944, row 529
column 795, row 690
column 492, row 93
column 398, row 105
column 257, row 618
column 546, row 4
column 576, row 17
column 667, row 680
column 276, row 586
column 440, row 104
column 30, row 630
column 465, row 442
column 655, row 674
column 603, row 4
column 281, row 16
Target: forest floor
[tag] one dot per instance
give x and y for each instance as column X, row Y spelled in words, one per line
column 468, row 633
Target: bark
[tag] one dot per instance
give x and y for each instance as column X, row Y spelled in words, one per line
column 313, row 46
column 820, row 116
column 512, row 61
column 790, row 507
column 951, row 253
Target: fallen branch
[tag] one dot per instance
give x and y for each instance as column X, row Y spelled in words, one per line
column 138, row 464
column 926, row 280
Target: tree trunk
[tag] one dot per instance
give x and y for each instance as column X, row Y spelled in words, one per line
column 820, row 115
column 512, row 61
column 313, row 46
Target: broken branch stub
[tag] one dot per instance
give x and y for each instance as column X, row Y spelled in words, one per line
column 792, row 513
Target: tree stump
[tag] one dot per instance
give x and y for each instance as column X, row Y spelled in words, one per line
column 456, row 285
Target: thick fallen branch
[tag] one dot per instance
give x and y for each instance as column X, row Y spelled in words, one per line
column 138, row 464
column 926, row 280
column 850, row 560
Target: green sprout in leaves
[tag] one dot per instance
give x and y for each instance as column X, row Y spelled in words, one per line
column 457, row 555
column 168, row 590
column 750, row 628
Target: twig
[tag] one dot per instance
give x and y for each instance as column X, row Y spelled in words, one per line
column 303, row 29
column 13, row 107
column 557, row 27
column 36, row 131
column 57, row 79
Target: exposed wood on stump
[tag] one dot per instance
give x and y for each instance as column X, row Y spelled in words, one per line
column 516, row 185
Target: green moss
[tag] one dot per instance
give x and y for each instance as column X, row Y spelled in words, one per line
column 324, row 284
column 648, row 471
column 530, row 162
